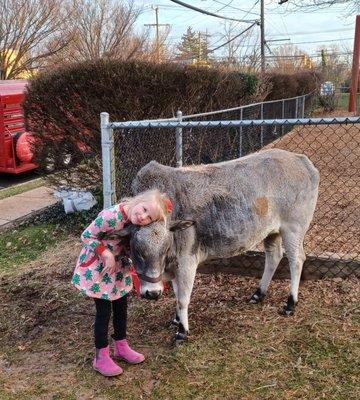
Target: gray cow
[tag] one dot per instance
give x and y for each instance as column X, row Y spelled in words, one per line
column 222, row 210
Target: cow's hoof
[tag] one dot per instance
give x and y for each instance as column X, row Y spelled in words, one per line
column 179, row 339
column 289, row 307
column 287, row 312
column 257, row 297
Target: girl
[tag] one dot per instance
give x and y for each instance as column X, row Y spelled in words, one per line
column 102, row 272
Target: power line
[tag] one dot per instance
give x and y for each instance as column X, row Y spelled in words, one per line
column 323, row 41
column 236, row 8
column 328, row 31
column 309, row 42
column 210, row 13
column 224, row 44
column 224, row 5
column 235, row 37
column 311, row 55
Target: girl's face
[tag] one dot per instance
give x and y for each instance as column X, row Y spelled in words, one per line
column 143, row 213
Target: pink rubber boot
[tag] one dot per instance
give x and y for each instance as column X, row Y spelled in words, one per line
column 123, row 351
column 104, row 364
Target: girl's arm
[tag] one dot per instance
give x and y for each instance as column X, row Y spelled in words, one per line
column 93, row 234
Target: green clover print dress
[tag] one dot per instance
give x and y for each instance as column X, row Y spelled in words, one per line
column 88, row 276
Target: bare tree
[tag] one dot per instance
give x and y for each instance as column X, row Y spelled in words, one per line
column 352, row 6
column 288, row 59
column 158, row 50
column 103, row 28
column 243, row 52
column 30, row 31
column 335, row 64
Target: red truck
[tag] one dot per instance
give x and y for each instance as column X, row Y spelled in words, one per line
column 15, row 148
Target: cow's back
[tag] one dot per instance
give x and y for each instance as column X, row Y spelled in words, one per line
column 237, row 203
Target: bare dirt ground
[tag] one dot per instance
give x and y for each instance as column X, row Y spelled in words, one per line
column 335, row 151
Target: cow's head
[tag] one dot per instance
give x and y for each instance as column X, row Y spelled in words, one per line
column 153, row 253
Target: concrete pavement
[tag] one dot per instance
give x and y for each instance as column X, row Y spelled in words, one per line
column 19, row 206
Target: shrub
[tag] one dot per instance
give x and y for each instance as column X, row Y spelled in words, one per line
column 287, row 86
column 329, row 102
column 62, row 107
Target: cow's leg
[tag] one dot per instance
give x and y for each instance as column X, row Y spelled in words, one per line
column 184, row 281
column 175, row 321
column 273, row 255
column 293, row 243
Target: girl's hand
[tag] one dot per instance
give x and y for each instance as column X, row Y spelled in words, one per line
column 109, row 262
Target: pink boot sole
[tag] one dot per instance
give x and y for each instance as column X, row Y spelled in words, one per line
column 133, row 362
column 107, row 375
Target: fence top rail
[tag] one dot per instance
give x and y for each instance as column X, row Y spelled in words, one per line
column 244, row 107
column 215, row 124
column 227, row 109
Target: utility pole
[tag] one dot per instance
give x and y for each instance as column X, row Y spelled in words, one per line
column 157, row 39
column 262, row 36
column 199, row 39
column 355, row 68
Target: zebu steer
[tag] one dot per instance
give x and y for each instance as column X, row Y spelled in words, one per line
column 222, row 210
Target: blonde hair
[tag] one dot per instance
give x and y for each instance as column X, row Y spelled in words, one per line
column 154, row 196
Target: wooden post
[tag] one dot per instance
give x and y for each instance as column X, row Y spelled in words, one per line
column 355, row 68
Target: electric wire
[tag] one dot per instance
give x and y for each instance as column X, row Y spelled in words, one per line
column 210, row 13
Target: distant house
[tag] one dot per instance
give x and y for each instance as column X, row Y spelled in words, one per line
column 10, row 57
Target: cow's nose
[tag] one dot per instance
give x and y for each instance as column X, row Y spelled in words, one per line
column 153, row 294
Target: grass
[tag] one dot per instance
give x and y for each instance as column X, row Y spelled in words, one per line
column 27, row 243
column 343, row 102
column 21, row 188
column 235, row 351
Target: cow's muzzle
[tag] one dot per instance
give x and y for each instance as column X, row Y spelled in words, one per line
column 152, row 294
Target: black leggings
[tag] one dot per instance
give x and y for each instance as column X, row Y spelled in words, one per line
column 102, row 319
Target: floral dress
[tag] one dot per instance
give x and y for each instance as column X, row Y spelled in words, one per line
column 88, row 275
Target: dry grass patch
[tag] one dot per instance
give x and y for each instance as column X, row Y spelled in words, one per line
column 235, row 350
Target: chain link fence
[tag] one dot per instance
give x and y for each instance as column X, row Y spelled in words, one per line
column 332, row 144
column 131, row 148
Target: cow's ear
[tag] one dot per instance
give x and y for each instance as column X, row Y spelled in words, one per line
column 126, row 231
column 180, row 225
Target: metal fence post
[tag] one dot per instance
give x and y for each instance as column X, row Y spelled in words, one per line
column 261, row 127
column 240, row 134
column 303, row 107
column 112, row 168
column 106, row 134
column 282, row 116
column 179, row 149
column 296, row 107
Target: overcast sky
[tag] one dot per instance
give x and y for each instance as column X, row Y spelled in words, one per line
column 323, row 27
